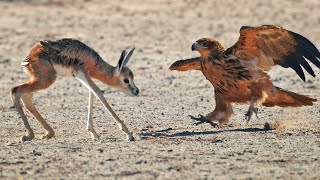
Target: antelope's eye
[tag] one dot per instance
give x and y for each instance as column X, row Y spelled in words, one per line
column 126, row 81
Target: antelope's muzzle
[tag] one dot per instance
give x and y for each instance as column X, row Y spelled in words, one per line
column 135, row 91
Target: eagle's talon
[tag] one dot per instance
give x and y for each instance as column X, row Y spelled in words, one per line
column 197, row 123
column 215, row 125
column 202, row 119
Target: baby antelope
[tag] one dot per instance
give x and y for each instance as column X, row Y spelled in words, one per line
column 70, row 57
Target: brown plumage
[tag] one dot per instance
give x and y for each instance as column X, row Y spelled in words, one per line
column 238, row 73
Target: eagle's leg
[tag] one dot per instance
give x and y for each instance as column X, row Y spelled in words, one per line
column 221, row 113
column 259, row 95
column 252, row 109
column 202, row 119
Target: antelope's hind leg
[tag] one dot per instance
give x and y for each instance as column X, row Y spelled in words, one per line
column 42, row 76
column 16, row 94
column 27, row 101
column 24, row 92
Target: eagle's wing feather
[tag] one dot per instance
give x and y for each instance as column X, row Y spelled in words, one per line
column 273, row 45
column 187, row 64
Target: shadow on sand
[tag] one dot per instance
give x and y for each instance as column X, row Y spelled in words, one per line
column 164, row 132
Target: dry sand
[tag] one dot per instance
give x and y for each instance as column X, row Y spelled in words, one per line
column 169, row 146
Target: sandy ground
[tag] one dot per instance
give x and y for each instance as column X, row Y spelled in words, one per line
column 168, row 145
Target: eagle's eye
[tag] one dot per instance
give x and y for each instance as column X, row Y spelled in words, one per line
column 206, row 43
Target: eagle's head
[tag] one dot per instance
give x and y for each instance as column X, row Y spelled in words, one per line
column 207, row 46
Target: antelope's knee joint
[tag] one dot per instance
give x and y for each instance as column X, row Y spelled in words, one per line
column 14, row 90
column 14, row 93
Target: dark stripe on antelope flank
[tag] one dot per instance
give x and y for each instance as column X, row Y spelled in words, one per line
column 68, row 52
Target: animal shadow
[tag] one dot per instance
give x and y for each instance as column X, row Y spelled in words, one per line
column 166, row 132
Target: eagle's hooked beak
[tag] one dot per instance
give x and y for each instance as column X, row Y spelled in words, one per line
column 194, row 46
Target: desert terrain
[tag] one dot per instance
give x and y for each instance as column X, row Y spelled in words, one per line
column 168, row 145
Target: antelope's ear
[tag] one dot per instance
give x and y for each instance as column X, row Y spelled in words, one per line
column 186, row 65
column 121, row 60
column 128, row 57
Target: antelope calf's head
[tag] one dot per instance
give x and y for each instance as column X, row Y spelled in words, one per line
column 123, row 76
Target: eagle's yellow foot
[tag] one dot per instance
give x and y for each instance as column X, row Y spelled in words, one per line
column 202, row 120
column 250, row 112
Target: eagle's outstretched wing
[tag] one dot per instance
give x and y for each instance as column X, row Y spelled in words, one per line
column 187, row 64
column 273, row 45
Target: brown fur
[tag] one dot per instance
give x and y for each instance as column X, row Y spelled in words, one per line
column 47, row 59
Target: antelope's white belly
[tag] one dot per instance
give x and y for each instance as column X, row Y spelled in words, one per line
column 63, row 70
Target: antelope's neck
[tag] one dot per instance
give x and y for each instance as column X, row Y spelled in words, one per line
column 102, row 72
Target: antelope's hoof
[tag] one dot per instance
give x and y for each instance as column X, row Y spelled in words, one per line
column 130, row 138
column 27, row 138
column 48, row 135
column 94, row 136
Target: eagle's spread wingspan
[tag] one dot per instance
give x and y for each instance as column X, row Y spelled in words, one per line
column 270, row 45
column 238, row 73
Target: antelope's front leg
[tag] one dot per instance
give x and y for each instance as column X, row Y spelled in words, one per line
column 86, row 81
column 90, row 128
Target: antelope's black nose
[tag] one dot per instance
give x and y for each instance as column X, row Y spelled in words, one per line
column 136, row 91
